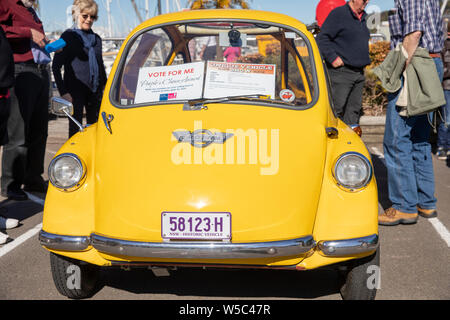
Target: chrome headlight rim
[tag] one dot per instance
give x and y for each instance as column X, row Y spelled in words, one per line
column 73, row 186
column 362, row 185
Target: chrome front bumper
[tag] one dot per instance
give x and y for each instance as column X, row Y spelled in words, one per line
column 64, row 243
column 202, row 250
column 208, row 250
column 348, row 247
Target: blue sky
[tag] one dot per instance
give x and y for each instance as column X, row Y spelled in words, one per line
column 53, row 12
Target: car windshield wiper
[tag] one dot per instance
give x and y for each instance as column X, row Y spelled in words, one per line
column 199, row 104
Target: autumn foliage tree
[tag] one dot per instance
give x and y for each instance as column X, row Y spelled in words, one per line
column 374, row 96
column 378, row 52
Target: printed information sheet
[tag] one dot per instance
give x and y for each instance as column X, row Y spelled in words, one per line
column 224, row 79
column 178, row 82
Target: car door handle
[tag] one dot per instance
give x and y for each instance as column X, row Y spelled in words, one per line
column 107, row 119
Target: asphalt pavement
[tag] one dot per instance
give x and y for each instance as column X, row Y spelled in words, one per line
column 414, row 258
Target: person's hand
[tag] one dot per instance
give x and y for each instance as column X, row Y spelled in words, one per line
column 57, row 51
column 67, row 97
column 38, row 38
column 337, row 63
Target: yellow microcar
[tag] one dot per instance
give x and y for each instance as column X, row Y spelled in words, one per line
column 216, row 145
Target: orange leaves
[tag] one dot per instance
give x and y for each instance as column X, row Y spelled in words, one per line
column 378, row 52
column 374, row 96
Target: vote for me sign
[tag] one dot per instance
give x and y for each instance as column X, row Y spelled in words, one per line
column 178, row 82
column 188, row 81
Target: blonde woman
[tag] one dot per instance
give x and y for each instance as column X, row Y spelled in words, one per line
column 84, row 71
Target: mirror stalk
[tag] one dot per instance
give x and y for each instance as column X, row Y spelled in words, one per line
column 67, row 113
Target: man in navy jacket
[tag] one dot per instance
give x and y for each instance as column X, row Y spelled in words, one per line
column 344, row 44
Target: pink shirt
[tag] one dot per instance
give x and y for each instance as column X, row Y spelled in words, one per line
column 232, row 54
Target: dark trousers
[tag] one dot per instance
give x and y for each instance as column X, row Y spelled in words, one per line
column 23, row 155
column 83, row 98
column 347, row 89
column 4, row 114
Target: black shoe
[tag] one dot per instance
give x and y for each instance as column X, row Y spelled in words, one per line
column 15, row 194
column 40, row 187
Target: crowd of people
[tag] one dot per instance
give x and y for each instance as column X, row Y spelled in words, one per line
column 24, row 90
column 343, row 42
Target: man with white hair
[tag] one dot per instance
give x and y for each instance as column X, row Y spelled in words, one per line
column 344, row 44
column 23, row 155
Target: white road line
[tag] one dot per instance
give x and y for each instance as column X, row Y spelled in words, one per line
column 435, row 222
column 30, row 233
column 21, row 239
column 27, row 235
column 441, row 230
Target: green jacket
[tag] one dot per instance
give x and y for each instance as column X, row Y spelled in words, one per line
column 425, row 92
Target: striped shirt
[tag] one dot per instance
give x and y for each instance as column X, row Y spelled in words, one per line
column 418, row 15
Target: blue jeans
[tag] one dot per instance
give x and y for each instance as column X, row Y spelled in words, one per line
column 443, row 140
column 407, row 151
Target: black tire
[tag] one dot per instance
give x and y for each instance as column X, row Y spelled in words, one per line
column 360, row 279
column 73, row 278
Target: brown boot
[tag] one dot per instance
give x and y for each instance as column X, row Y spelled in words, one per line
column 392, row 217
column 427, row 213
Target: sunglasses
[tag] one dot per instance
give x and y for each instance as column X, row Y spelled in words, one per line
column 86, row 16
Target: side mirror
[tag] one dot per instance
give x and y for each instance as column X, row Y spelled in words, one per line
column 61, row 107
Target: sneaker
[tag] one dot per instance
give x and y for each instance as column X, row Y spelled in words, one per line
column 393, row 217
column 441, row 154
column 3, row 238
column 8, row 223
column 427, row 213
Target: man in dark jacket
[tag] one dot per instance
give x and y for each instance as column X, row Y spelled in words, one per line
column 6, row 82
column 344, row 44
column 23, row 155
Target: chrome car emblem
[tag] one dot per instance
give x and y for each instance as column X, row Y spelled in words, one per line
column 201, row 138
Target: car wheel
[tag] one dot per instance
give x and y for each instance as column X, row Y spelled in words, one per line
column 361, row 279
column 73, row 278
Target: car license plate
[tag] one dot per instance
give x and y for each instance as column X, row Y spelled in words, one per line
column 196, row 226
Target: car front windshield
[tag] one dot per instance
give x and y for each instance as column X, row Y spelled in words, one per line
column 196, row 61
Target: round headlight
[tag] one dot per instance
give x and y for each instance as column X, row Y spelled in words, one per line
column 66, row 171
column 353, row 171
